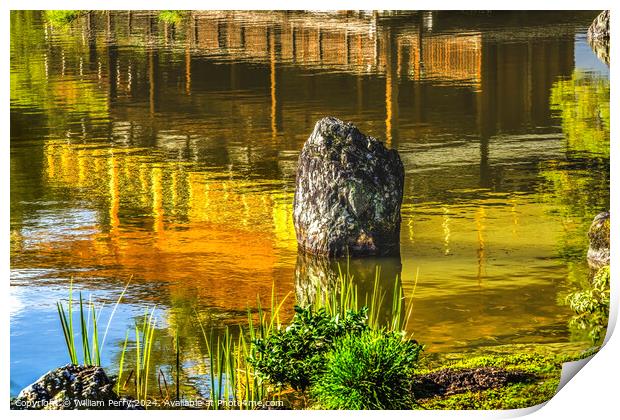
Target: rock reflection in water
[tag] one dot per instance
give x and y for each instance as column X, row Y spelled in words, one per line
column 600, row 46
column 316, row 275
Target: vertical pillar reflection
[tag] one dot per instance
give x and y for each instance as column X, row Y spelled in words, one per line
column 113, row 193
column 391, row 88
column 114, row 198
column 152, row 72
column 188, row 70
column 487, row 106
column 480, row 226
column 158, row 207
column 276, row 108
column 446, row 230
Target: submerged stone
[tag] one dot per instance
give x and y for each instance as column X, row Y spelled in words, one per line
column 72, row 387
column 349, row 189
column 598, row 253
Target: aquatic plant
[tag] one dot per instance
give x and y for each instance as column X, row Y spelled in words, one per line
column 295, row 355
column 90, row 358
column 262, row 359
column 344, row 296
column 591, row 306
column 371, row 370
column 292, row 356
column 233, row 380
column 121, row 364
column 89, row 336
column 144, row 345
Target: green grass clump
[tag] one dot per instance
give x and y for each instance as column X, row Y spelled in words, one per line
column 292, row 356
column 372, row 370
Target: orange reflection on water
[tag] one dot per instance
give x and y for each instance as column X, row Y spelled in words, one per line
column 203, row 227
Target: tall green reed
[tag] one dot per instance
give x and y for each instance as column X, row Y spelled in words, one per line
column 144, row 345
column 231, row 377
column 89, row 328
column 345, row 296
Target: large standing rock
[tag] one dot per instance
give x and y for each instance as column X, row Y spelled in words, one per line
column 72, row 387
column 348, row 194
column 598, row 253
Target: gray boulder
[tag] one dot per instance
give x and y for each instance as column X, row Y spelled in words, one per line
column 72, row 387
column 598, row 253
column 349, row 189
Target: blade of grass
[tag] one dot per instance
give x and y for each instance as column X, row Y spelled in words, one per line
column 121, row 363
column 105, row 334
column 97, row 354
column 85, row 344
column 65, row 330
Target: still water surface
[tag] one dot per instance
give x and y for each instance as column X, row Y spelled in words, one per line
column 167, row 154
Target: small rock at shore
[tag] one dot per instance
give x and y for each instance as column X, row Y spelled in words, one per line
column 349, row 190
column 72, row 387
column 598, row 253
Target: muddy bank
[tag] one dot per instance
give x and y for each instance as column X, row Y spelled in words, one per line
column 450, row 381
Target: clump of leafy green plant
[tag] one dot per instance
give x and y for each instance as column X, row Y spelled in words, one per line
column 371, row 370
column 293, row 356
column 591, row 306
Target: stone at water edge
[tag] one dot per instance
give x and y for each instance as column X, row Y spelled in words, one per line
column 598, row 253
column 348, row 193
column 72, row 387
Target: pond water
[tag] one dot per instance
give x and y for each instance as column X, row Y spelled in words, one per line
column 166, row 154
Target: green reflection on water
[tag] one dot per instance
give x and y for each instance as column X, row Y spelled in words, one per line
column 583, row 104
